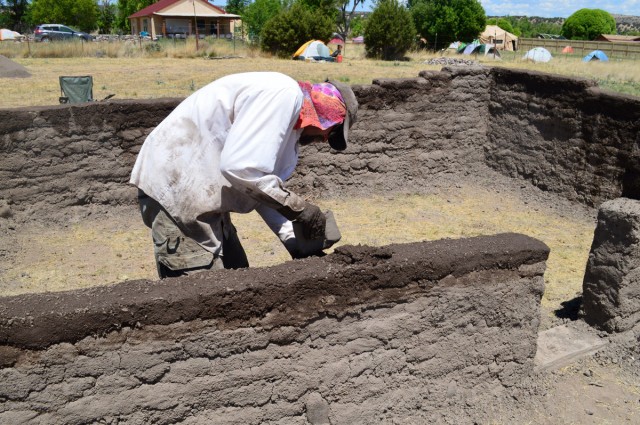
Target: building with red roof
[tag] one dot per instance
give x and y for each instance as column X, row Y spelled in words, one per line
column 178, row 18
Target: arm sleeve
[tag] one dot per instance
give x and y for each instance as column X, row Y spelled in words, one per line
column 260, row 134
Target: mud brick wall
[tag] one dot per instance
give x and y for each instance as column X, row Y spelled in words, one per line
column 611, row 286
column 406, row 130
column 561, row 134
column 564, row 135
column 364, row 335
column 73, row 155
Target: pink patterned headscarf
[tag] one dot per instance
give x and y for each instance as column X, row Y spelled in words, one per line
column 322, row 107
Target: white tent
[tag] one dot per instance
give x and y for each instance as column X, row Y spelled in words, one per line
column 6, row 34
column 503, row 40
column 538, row 54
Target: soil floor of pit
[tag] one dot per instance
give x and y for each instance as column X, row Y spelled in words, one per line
column 598, row 388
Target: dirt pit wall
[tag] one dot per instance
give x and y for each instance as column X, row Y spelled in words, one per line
column 364, row 335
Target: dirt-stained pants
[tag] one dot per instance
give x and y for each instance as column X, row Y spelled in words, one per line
column 178, row 255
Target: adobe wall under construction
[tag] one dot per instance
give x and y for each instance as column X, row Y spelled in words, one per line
column 563, row 135
column 365, row 335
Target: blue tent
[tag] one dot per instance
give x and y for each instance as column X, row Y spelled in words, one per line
column 595, row 55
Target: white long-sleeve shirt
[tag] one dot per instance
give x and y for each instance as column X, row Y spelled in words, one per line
column 226, row 148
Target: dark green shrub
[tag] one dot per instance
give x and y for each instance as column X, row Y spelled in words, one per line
column 587, row 24
column 389, row 31
column 283, row 34
column 441, row 22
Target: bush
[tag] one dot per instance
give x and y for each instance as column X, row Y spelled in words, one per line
column 442, row 22
column 257, row 14
column 283, row 34
column 81, row 14
column 587, row 24
column 389, row 31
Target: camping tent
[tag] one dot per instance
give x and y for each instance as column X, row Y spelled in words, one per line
column 336, row 39
column 538, row 54
column 595, row 55
column 503, row 40
column 567, row 49
column 470, row 48
column 6, row 34
column 314, row 49
column 358, row 40
column 481, row 49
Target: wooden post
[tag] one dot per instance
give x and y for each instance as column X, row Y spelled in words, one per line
column 195, row 21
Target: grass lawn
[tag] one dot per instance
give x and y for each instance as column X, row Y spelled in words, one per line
column 133, row 71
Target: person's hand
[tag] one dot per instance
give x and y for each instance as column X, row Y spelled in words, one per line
column 313, row 222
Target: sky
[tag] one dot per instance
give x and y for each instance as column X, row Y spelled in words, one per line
column 548, row 8
column 557, row 8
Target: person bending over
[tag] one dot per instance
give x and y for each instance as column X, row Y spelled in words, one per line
column 229, row 147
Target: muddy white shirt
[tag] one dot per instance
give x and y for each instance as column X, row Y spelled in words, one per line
column 226, row 148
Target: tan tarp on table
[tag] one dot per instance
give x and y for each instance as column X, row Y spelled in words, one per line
column 503, row 40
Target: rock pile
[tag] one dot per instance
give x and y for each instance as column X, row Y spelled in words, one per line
column 450, row 61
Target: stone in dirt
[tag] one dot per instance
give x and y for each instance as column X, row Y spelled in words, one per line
column 559, row 346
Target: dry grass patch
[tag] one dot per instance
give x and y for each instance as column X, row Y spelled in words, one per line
column 134, row 71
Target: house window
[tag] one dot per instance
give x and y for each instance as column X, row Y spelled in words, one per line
column 145, row 25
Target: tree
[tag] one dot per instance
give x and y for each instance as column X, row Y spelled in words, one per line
column 258, row 13
column 502, row 23
column 236, row 7
column 587, row 24
column 530, row 27
column 13, row 14
column 283, row 34
column 81, row 14
column 356, row 25
column 127, row 8
column 442, row 22
column 106, row 17
column 389, row 31
column 345, row 16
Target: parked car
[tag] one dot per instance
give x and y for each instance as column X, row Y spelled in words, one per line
column 51, row 32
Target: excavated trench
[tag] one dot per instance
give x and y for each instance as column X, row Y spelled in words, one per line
column 420, row 332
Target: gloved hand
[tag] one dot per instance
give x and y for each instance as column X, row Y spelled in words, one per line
column 313, row 221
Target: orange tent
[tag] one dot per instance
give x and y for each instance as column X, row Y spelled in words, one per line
column 567, row 49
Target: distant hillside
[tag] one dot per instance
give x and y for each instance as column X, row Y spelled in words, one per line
column 625, row 24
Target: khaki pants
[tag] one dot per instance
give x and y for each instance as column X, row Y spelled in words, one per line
column 178, row 255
